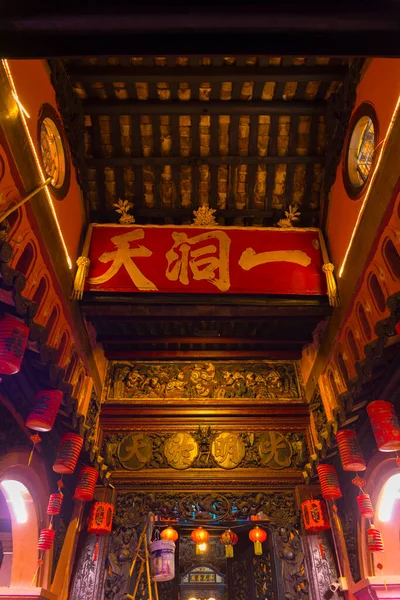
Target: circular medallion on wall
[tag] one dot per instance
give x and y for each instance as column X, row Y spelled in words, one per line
column 53, row 151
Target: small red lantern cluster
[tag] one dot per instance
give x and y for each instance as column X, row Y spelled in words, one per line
column 385, row 425
column 100, row 522
column 329, row 482
column 258, row 536
column 46, row 539
column 350, row 451
column 315, row 516
column 68, row 453
column 54, row 505
column 13, row 340
column 87, row 479
column 374, row 539
column 365, row 506
column 47, row 403
column 229, row 539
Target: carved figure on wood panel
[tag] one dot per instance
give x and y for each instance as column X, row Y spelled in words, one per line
column 123, row 548
column 293, row 569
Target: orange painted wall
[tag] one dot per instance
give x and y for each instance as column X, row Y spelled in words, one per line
column 380, row 86
column 34, row 88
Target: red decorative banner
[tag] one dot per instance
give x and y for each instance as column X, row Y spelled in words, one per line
column 131, row 258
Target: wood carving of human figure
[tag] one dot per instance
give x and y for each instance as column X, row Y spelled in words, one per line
column 122, row 551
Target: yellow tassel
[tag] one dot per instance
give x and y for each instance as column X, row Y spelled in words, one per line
column 258, row 548
column 229, row 551
column 83, row 264
column 31, row 456
column 333, row 295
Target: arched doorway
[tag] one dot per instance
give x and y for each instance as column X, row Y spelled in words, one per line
column 5, row 543
column 387, row 520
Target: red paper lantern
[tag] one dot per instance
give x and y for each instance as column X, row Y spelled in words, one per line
column 329, row 482
column 365, row 506
column 68, row 453
column 374, row 539
column 201, row 537
column 258, row 536
column 54, row 505
column 170, row 534
column 13, row 340
column 385, row 425
column 46, row 539
column 229, row 539
column 87, row 479
column 100, row 518
column 350, row 451
column 315, row 516
column 397, row 327
column 47, row 403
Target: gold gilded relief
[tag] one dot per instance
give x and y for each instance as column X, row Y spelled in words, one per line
column 181, row 450
column 275, row 450
column 228, row 450
column 135, row 451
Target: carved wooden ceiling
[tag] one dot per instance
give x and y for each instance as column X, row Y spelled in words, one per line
column 244, row 135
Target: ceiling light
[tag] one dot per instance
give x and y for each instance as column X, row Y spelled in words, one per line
column 16, row 495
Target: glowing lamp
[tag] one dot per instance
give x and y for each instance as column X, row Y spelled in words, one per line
column 169, row 534
column 46, row 539
column 385, row 425
column 68, row 453
column 42, row 417
column 350, row 451
column 315, row 516
column 200, row 536
column 229, row 539
column 257, row 536
column 329, row 482
column 87, row 479
column 13, row 340
column 374, row 539
column 16, row 495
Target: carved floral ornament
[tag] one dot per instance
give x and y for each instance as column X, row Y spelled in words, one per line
column 205, row 448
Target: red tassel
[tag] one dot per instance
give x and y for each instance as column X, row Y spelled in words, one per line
column 321, row 548
column 96, row 551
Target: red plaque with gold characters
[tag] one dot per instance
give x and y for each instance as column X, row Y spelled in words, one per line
column 202, row 260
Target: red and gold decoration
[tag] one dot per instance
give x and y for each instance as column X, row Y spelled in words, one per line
column 229, row 539
column 315, row 516
column 46, row 539
column 86, row 485
column 100, row 522
column 169, row 534
column 54, row 505
column 132, row 258
column 258, row 536
column 200, row 536
column 374, row 539
column 365, row 506
column 13, row 340
column 47, row 403
column 329, row 482
column 35, row 439
column 350, row 451
column 68, row 453
column 385, row 425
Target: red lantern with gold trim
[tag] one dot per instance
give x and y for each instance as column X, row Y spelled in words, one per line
column 100, row 522
column 13, row 340
column 315, row 516
column 258, row 536
column 86, row 485
column 46, row 539
column 385, row 425
column 229, row 539
column 365, row 506
column 54, row 505
column 374, row 539
column 68, row 453
column 350, row 451
column 170, row 534
column 200, row 536
column 42, row 417
column 329, row 482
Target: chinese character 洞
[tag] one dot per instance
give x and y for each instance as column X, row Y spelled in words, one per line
column 206, row 255
column 123, row 256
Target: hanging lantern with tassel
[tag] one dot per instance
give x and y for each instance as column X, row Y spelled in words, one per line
column 162, row 554
column 42, row 417
column 385, row 425
column 329, row 482
column 85, row 487
column 13, row 340
column 350, row 451
column 374, row 539
column 46, row 539
column 229, row 539
column 257, row 536
column 54, row 505
column 365, row 506
column 315, row 516
column 200, row 536
column 170, row 534
column 68, row 453
column 100, row 522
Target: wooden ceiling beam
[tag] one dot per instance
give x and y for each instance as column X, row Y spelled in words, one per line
column 253, row 341
column 194, row 161
column 196, row 75
column 203, row 354
column 199, row 107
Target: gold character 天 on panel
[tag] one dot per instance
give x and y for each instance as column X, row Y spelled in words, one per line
column 134, row 451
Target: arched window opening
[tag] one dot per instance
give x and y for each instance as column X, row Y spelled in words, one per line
column 392, row 258
column 62, row 347
column 387, row 520
column 333, row 385
column 6, row 542
column 389, row 499
column 78, row 387
column 377, row 293
column 52, row 320
column 13, row 218
column 25, row 261
column 71, row 367
column 40, row 291
column 352, row 345
column 342, row 367
column 362, row 317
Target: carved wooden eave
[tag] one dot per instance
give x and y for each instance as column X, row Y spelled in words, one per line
column 40, row 371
